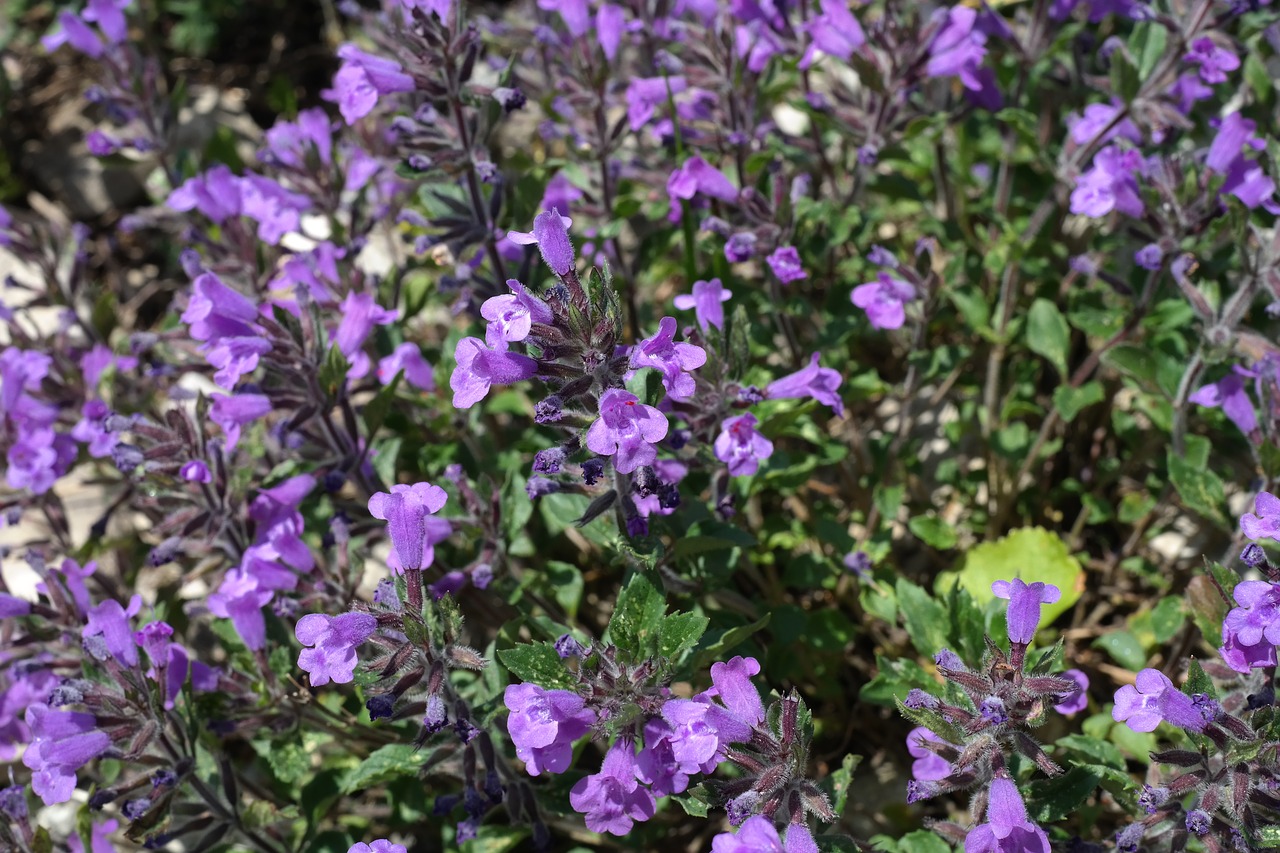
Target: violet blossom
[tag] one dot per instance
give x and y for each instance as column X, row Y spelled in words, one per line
column 884, row 300
column 1110, row 184
column 407, row 358
column 741, row 446
column 1007, row 829
column 758, row 835
column 820, row 383
column 409, row 512
column 512, row 315
column 1264, row 521
column 1155, row 699
column 551, row 235
column 62, row 742
column 707, row 302
column 362, row 79
column 673, row 360
column 1214, row 61
column 785, row 263
column 544, row 724
column 1024, row 606
column 627, row 430
column 613, row 799
column 479, row 368
column 334, row 640
column 1229, row 394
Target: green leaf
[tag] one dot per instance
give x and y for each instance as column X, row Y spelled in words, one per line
column 840, row 782
column 726, row 642
column 1032, row 553
column 695, row 802
column 1201, row 490
column 933, row 531
column 1048, row 333
column 386, row 762
column 1100, row 751
column 922, row 841
column 637, row 620
column 1124, row 648
column 926, row 619
column 538, row 664
column 1053, row 799
column 1148, row 44
column 1071, row 401
column 1198, row 681
column 289, row 761
column 566, row 585
column 333, row 373
column 680, row 632
column 1125, row 81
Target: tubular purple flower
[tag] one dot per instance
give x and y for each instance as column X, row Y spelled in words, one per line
column 1024, row 606
column 820, row 383
column 1214, row 62
column 1077, row 700
column 707, row 302
column 215, row 193
column 408, row 358
column 613, row 799
column 551, row 234
column 407, row 511
column 785, row 263
column 109, row 16
column 362, row 79
column 334, row 640
column 217, row 311
column 884, row 300
column 611, row 23
column 111, row 622
column 1155, row 698
column 1007, row 829
column 627, row 430
column 1110, row 184
column 732, row 684
column 241, row 599
column 381, row 845
column 479, row 368
column 543, row 725
column 233, row 412
column 1234, row 134
column 698, row 176
column 928, row 765
column 758, row 835
column 360, row 312
column 644, row 94
column 958, row 49
column 1229, row 394
column 741, row 446
column 76, row 33
column 673, row 360
column 835, row 32
column 512, row 315
column 1265, row 524
column 62, row 742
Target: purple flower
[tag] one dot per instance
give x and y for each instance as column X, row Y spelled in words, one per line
column 928, row 766
column 673, row 360
column 382, row 845
column 1109, row 184
column 233, row 412
column 110, row 621
column 1007, row 829
column 576, row 14
column 758, row 835
column 479, row 368
column 1214, row 61
column 1149, row 257
column 627, row 430
column 334, row 639
column 1187, row 90
column 544, row 724
column 1235, row 133
column 512, row 315
column 62, row 742
column 408, row 511
column 407, row 357
column 835, row 32
column 1229, row 394
column 109, row 16
column 657, row 765
column 216, row 194
column 1258, row 616
column 11, row 607
column 240, row 599
column 644, row 94
column 820, row 383
column 731, row 682
column 884, row 300
column 360, row 312
column 1024, row 606
column 740, row 247
column 695, row 177
column 741, row 446
column 785, row 263
column 613, row 799
column 1077, row 700
column 1098, row 117
column 1155, row 699
column 1246, row 657
column 100, row 144
column 707, row 302
column 611, row 22
column 76, row 33
column 551, row 234
column 276, row 210
column 362, row 79
column 958, row 49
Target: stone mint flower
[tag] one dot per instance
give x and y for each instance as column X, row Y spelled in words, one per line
column 698, row 177
column 835, row 32
column 1153, row 699
column 382, row 845
column 928, row 766
column 233, row 412
column 1007, row 829
column 512, row 315
column 241, row 598
column 409, row 512
column 408, row 358
column 544, row 724
column 551, row 235
column 215, row 193
column 360, row 312
column 1229, row 394
column 673, row 360
column 362, row 79
column 1110, row 184
column 626, row 430
column 110, row 621
column 613, row 799
column 62, row 742
column 884, row 300
column 1095, row 120
column 1024, row 606
column 758, row 835
column 785, row 263
column 645, row 94
column 479, row 368
column 1214, row 61
column 1243, row 657
column 741, row 446
column 820, row 383
column 334, row 640
column 959, row 48
column 1078, row 699
column 1265, row 524
column 707, row 303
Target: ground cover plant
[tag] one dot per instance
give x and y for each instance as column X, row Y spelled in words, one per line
column 734, row 426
